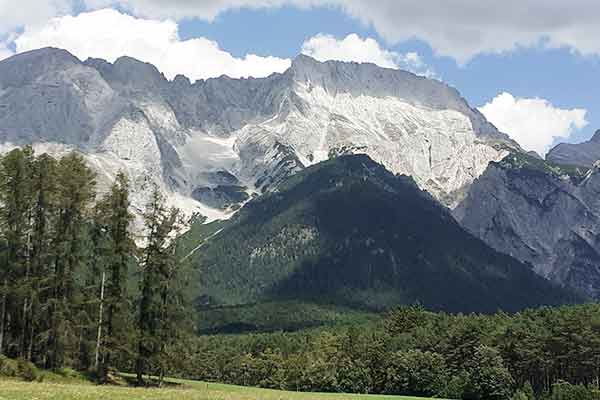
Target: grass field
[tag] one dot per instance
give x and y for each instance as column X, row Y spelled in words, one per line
column 186, row 390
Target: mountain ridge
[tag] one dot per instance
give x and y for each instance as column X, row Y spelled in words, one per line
column 178, row 134
column 584, row 154
column 541, row 213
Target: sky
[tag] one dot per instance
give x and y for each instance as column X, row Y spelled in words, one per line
column 532, row 67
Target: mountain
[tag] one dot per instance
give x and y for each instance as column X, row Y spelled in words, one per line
column 581, row 154
column 349, row 232
column 541, row 213
column 213, row 144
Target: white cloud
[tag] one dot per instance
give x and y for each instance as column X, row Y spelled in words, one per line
column 16, row 14
column 110, row 34
column 203, row 9
column 460, row 28
column 5, row 52
column 353, row 48
column 533, row 123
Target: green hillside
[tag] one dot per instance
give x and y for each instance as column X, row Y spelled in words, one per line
column 347, row 232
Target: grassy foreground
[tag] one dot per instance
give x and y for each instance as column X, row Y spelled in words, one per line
column 186, row 390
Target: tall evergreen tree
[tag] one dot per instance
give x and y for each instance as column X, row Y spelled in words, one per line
column 157, row 320
column 75, row 193
column 118, row 253
column 43, row 220
column 15, row 214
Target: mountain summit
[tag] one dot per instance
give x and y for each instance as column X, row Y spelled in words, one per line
column 212, row 144
column 578, row 154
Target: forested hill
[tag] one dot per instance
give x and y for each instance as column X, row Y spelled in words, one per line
column 349, row 232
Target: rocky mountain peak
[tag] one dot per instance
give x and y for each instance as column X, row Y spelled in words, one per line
column 127, row 115
column 581, row 154
column 129, row 72
column 27, row 67
column 369, row 79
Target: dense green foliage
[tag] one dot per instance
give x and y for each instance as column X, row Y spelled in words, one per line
column 336, row 243
column 549, row 353
column 349, row 232
column 66, row 258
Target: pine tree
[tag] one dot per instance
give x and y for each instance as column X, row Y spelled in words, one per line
column 160, row 295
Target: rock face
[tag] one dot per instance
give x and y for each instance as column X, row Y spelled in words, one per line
column 186, row 136
column 581, row 154
column 540, row 213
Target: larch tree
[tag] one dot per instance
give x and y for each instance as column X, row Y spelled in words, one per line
column 15, row 216
column 158, row 319
column 118, row 253
column 75, row 193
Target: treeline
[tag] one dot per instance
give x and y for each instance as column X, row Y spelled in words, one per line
column 547, row 353
column 75, row 290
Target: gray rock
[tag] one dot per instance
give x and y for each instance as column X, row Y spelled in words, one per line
column 581, row 154
column 537, row 213
column 178, row 134
column 221, row 196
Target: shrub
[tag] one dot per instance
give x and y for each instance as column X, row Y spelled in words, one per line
column 22, row 369
column 8, row 367
column 27, row 371
column 562, row 390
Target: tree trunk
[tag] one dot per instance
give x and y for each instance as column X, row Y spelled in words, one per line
column 3, row 316
column 23, row 346
column 31, row 339
column 139, row 367
column 100, row 315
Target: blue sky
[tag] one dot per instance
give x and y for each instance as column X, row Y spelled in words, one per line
column 548, row 65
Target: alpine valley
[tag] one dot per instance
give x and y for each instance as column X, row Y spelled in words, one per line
column 338, row 183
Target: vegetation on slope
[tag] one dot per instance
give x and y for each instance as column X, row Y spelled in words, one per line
column 348, row 232
column 523, row 161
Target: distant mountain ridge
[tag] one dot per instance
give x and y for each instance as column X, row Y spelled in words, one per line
column 584, row 154
column 541, row 213
column 187, row 136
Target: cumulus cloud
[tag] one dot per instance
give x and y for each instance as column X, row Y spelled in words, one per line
column 203, row 9
column 110, row 34
column 5, row 51
column 14, row 14
column 353, row 48
column 533, row 123
column 460, row 28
